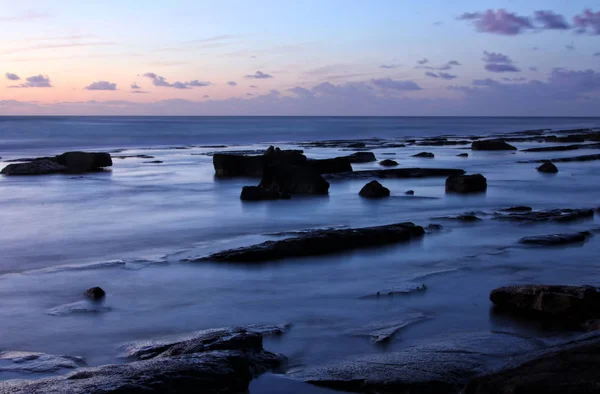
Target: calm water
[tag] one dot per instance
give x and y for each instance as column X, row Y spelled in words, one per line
column 129, row 229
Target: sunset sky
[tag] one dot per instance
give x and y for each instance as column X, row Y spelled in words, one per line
column 326, row 57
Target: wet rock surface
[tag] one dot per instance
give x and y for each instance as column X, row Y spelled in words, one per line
column 398, row 173
column 496, row 144
column 374, row 189
column 382, row 332
column 321, row 242
column 520, row 208
column 466, row 184
column 293, row 179
column 331, row 166
column 397, row 291
column 556, row 239
column 69, row 162
column 234, row 165
column 554, row 215
column 20, row 364
column 466, row 218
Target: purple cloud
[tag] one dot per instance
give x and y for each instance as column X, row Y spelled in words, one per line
column 498, row 63
column 551, row 21
column 597, row 54
column 24, row 16
column 253, row 87
column 301, row 92
column 135, row 86
column 588, row 20
column 502, row 68
column 389, row 66
column 570, row 47
column 37, row 81
column 495, row 57
column 390, row 84
column 259, row 75
column 159, row 81
column 440, row 75
column 12, row 77
column 498, row 22
column 232, row 83
column 443, row 67
column 423, row 61
column 453, row 63
column 101, row 85
column 139, row 92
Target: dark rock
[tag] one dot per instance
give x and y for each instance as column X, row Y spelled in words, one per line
column 427, row 155
column 80, row 162
column 398, row 173
column 497, row 144
column 434, row 227
column 556, row 239
column 134, row 157
column 95, row 293
column 362, row 157
column 554, row 215
column 35, row 167
column 388, row 163
column 442, row 142
column 255, row 193
column 466, row 184
column 232, row 165
column 571, row 302
column 410, row 192
column 321, row 242
column 154, row 162
column 462, row 218
column 293, row 179
column 565, row 368
column 408, row 288
column 517, row 209
column 565, row 159
column 548, row 167
column 463, row 155
column 331, row 166
column 566, row 139
column 374, row 189
column 562, row 148
column 356, row 145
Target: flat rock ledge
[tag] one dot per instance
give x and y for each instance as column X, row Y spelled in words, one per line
column 320, row 242
column 217, row 361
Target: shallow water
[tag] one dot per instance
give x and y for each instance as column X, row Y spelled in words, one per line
column 130, row 231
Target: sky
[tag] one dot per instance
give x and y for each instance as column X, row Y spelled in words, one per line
column 309, row 57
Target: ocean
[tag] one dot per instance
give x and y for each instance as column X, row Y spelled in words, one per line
column 131, row 231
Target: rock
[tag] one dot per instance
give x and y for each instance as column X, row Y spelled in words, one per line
column 133, row 157
column 293, row 179
column 232, row 165
column 548, row 167
column 440, row 367
column 24, row 364
column 374, row 189
column 496, row 144
column 80, row 307
column 36, row 167
column 568, row 302
column 566, row 139
column 362, row 157
column 407, row 288
column 463, row 155
column 466, row 184
column 154, row 162
column 442, row 142
column 462, row 218
column 381, row 332
column 434, row 227
column 320, row 242
column 427, row 155
column 95, row 293
column 562, row 148
column 388, row 163
column 565, row 368
column 80, row 162
column 565, row 159
column 517, row 209
column 398, row 173
column 556, row 239
column 554, row 215
column 255, row 193
column 331, row 166
column 410, row 192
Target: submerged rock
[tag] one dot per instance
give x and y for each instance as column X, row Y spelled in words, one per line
column 548, row 167
column 554, row 215
column 556, row 239
column 463, row 155
column 255, row 193
column 496, row 144
column 388, row 163
column 320, row 242
column 381, row 332
column 407, row 288
column 95, row 293
column 398, row 173
column 467, row 218
column 571, row 302
column 565, row 159
column 466, row 184
column 427, row 155
column 517, row 209
column 562, row 148
column 374, row 189
column 362, row 157
column 22, row 364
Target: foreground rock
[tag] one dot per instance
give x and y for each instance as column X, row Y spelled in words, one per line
column 256, row 193
column 441, row 367
column 374, row 189
column 69, row 162
column 362, row 157
column 565, row 302
column 556, row 239
column 466, row 184
column 224, row 362
column 497, row 144
column 232, row 165
column 548, row 167
column 554, row 215
column 22, row 364
column 463, row 155
column 399, row 173
column 321, row 242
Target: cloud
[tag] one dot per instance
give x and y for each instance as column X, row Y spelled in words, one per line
column 253, row 87
column 551, row 21
column 232, row 83
column 139, row 92
column 135, row 86
column 101, row 85
column 25, row 16
column 498, row 63
column 424, row 61
column 389, row 66
column 223, row 37
column 443, row 67
column 570, row 47
column 12, row 77
column 498, row 22
column 159, row 81
column 259, row 75
column 495, row 57
column 56, row 46
column 37, row 81
column 534, row 69
column 587, row 22
column 301, row 92
column 440, row 75
column 390, row 84
column 597, row 54
column 502, row 68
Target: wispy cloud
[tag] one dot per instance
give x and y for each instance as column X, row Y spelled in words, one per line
column 56, row 46
column 223, row 37
column 135, row 86
column 390, row 84
column 443, row 67
column 440, row 75
column 259, row 75
column 232, row 83
column 101, row 85
column 390, row 66
column 423, row 61
column 25, row 16
column 498, row 63
column 587, row 22
column 139, row 92
column 37, row 81
column 551, row 21
column 159, row 81
column 12, row 77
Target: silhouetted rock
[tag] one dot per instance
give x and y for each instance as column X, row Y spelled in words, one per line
column 565, row 159
column 427, row 155
column 95, row 293
column 362, row 157
column 410, row 192
column 256, row 193
column 496, row 144
column 463, row 155
column 556, row 239
column 133, row 157
column 36, row 167
column 462, row 218
column 374, row 189
column 388, row 163
column 548, row 167
column 232, row 165
column 154, row 162
column 466, row 184
column 331, row 166
column 320, row 242
column 434, row 227
column 562, row 148
column 69, row 162
column 398, row 173
column 293, row 179
column 566, row 139
column 517, row 209
column 554, row 215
